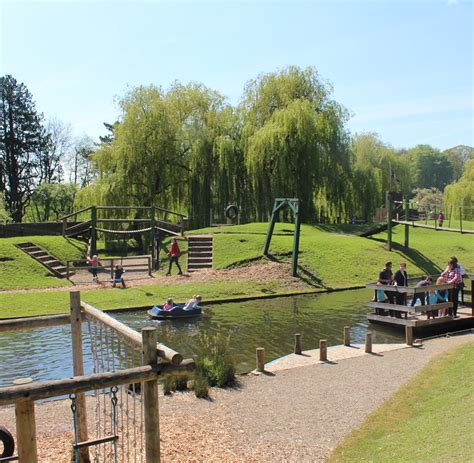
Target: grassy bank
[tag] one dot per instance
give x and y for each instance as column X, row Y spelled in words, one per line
column 429, row 419
column 19, row 271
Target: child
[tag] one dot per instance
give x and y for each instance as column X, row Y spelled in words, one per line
column 441, row 296
column 174, row 256
column 168, row 305
column 118, row 276
column 426, row 281
column 193, row 302
column 94, row 263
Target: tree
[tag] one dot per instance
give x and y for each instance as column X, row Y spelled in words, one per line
column 459, row 156
column 22, row 141
column 80, row 163
column 430, row 168
column 58, row 147
column 461, row 193
column 428, row 199
column 50, row 201
column 4, row 216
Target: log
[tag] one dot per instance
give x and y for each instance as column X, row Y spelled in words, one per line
column 323, row 352
column 48, row 389
column 130, row 335
column 260, row 355
column 368, row 342
column 347, row 335
column 297, row 349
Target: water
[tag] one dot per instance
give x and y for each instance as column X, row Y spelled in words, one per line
column 45, row 354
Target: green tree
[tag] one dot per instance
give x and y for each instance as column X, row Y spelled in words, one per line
column 430, row 168
column 459, row 156
column 295, row 142
column 23, row 140
column 427, row 200
column 50, row 201
column 461, row 193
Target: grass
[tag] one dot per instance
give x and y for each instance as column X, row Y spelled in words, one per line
column 19, row 271
column 28, row 304
column 429, row 419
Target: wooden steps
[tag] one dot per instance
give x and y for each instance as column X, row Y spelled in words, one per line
column 54, row 265
column 199, row 252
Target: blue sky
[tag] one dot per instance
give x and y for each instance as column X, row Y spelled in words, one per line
column 403, row 68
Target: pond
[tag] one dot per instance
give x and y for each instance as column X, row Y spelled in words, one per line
column 45, row 353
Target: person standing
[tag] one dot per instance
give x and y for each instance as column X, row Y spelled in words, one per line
column 94, row 263
column 440, row 219
column 401, row 279
column 174, row 256
column 452, row 276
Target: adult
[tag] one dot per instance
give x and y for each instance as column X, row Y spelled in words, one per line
column 452, row 276
column 193, row 303
column 401, row 279
column 118, row 276
column 174, row 256
column 440, row 219
column 386, row 278
column 421, row 295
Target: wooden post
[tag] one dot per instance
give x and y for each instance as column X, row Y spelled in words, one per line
column 347, row 335
column 152, row 234
column 64, row 227
column 26, row 431
column 460, row 218
column 389, row 221
column 323, row 351
column 435, row 219
column 298, row 344
column 111, row 269
column 472, row 298
column 296, row 239
column 78, row 370
column 368, row 342
column 409, row 335
column 93, row 231
column 150, row 397
column 67, row 270
column 260, row 354
column 407, row 227
column 149, row 265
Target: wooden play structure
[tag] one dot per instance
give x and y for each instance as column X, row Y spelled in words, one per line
column 122, row 391
column 125, row 222
column 278, row 205
column 403, row 315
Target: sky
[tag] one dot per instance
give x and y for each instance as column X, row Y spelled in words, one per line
column 404, row 69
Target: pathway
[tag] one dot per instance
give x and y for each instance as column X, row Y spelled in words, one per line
column 296, row 414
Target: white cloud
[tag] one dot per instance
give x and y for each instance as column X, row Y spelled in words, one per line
column 452, row 2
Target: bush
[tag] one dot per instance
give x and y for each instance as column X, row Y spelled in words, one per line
column 175, row 383
column 215, row 362
column 200, row 386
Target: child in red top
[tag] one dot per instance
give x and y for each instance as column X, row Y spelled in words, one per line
column 173, row 256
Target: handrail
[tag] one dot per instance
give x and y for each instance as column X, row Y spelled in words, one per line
column 77, row 384
column 76, row 212
column 409, row 290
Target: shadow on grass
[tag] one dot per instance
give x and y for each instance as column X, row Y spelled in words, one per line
column 414, row 257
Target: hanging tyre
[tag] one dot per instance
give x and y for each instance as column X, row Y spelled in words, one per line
column 231, row 211
column 8, row 443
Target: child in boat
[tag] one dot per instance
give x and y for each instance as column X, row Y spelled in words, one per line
column 441, row 296
column 193, row 303
column 168, row 305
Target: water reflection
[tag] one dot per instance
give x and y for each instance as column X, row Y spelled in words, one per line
column 46, row 353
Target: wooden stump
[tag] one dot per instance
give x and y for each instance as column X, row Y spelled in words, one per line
column 368, row 342
column 260, row 354
column 409, row 335
column 323, row 352
column 347, row 335
column 298, row 344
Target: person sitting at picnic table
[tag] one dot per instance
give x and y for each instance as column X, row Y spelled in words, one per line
column 192, row 303
column 452, row 276
column 118, row 276
column 168, row 305
column 426, row 281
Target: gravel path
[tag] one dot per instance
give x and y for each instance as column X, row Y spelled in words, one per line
column 293, row 415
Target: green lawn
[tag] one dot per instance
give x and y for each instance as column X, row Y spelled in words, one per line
column 19, row 271
column 428, row 420
column 33, row 303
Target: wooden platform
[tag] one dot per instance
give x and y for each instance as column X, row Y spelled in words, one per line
column 464, row 320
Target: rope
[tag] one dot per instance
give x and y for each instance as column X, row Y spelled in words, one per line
column 123, row 232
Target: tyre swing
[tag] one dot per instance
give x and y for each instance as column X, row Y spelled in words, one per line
column 8, row 443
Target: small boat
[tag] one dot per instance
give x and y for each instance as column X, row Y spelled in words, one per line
column 157, row 313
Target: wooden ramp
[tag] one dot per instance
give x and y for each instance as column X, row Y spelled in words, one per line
column 54, row 265
column 200, row 249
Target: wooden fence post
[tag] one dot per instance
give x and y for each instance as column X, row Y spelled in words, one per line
column 298, row 343
column 111, row 269
column 260, row 354
column 409, row 335
column 368, row 342
column 150, row 397
column 78, row 370
column 26, row 431
column 323, row 352
column 149, row 265
column 347, row 336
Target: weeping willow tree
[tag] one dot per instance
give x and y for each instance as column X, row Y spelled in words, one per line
column 461, row 193
column 294, row 141
column 377, row 168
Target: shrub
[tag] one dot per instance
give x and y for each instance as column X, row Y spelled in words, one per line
column 168, row 385
column 215, row 362
column 200, row 386
column 175, row 383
